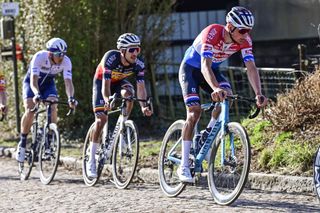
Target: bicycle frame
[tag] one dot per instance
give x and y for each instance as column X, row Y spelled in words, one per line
column 221, row 122
column 109, row 141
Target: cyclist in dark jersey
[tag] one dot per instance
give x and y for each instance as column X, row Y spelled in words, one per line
column 198, row 69
column 110, row 78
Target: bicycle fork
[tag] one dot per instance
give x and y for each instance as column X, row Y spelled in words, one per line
column 224, row 131
column 122, row 142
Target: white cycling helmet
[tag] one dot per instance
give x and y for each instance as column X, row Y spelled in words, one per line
column 127, row 40
column 56, row 45
column 241, row 18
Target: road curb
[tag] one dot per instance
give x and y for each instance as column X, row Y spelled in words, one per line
column 260, row 181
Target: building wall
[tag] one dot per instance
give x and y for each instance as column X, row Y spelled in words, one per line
column 284, row 19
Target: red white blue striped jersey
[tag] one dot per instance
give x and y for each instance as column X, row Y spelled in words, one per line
column 210, row 44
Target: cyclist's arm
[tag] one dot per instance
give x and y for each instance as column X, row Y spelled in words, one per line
column 34, row 83
column 207, row 72
column 254, row 79
column 35, row 67
column 69, row 88
column 105, row 90
column 67, row 76
column 253, row 76
column 141, row 93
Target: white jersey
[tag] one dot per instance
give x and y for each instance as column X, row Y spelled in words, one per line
column 41, row 66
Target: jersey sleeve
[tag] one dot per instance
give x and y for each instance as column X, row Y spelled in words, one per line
column 108, row 61
column 67, row 70
column 140, row 70
column 208, row 38
column 36, row 62
column 246, row 51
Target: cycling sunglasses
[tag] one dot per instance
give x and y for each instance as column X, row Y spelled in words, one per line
column 59, row 54
column 133, row 49
column 244, row 31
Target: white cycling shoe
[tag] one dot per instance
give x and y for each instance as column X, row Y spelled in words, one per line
column 185, row 175
column 21, row 152
column 91, row 169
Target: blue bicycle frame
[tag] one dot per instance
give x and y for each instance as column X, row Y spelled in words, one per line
column 222, row 121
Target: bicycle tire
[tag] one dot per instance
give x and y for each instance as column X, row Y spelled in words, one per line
column 221, row 186
column 48, row 171
column 25, row 168
column 316, row 172
column 124, row 164
column 85, row 157
column 169, row 181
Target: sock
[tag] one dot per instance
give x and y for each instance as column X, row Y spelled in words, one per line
column 93, row 149
column 212, row 122
column 23, row 140
column 186, row 146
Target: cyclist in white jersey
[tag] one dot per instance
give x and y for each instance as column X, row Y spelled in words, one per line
column 39, row 84
column 198, row 69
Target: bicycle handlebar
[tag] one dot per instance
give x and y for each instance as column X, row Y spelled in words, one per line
column 50, row 102
column 251, row 101
column 115, row 96
column 207, row 107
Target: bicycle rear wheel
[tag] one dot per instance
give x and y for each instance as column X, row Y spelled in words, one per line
column 125, row 155
column 86, row 156
column 49, row 153
column 171, row 147
column 316, row 172
column 227, row 180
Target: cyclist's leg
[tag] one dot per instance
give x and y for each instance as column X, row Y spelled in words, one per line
column 26, row 120
column 49, row 92
column 127, row 90
column 100, row 120
column 190, row 91
column 224, row 84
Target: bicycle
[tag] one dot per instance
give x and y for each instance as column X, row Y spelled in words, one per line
column 230, row 153
column 41, row 149
column 316, row 172
column 121, row 147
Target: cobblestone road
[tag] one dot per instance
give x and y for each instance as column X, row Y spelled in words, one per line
column 67, row 193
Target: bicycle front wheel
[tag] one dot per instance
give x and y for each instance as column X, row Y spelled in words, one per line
column 125, row 155
column 229, row 164
column 316, row 172
column 49, row 153
column 169, row 156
